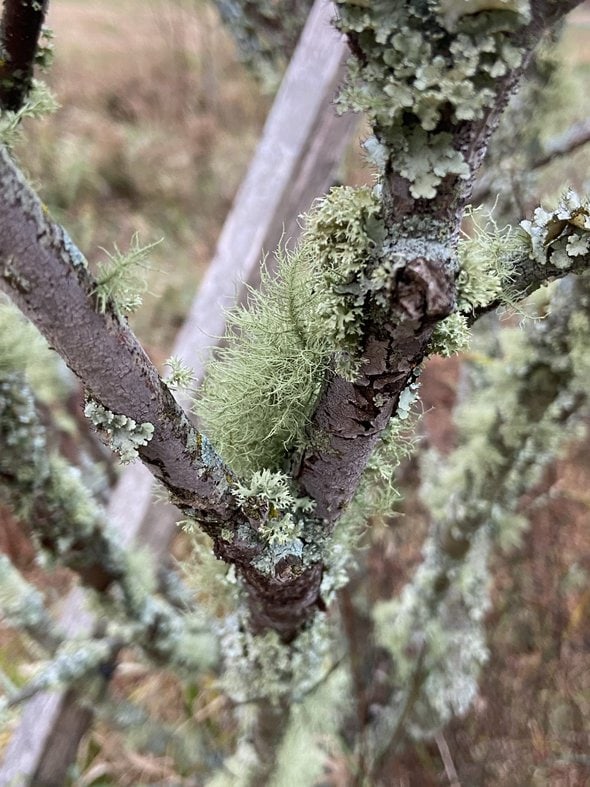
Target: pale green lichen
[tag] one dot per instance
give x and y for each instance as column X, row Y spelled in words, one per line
column 526, row 405
column 263, row 667
column 123, row 434
column 451, row 336
column 75, row 661
column 487, row 256
column 181, row 376
column 122, row 278
column 344, row 236
column 260, row 392
column 561, row 234
column 451, row 11
column 420, row 61
column 21, row 604
column 443, row 635
column 39, row 103
column 281, row 527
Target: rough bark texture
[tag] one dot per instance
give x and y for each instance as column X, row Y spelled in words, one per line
column 19, row 35
column 350, row 417
column 46, row 277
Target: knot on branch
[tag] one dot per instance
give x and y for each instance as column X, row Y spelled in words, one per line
column 426, row 291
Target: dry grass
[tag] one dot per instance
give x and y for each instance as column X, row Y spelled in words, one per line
column 157, row 125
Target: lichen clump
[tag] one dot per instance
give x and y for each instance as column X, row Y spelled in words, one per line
column 123, row 434
column 261, row 389
column 422, row 62
column 561, row 234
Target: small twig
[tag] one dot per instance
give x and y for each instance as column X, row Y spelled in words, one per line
column 573, row 138
column 445, row 755
column 576, row 136
column 20, row 29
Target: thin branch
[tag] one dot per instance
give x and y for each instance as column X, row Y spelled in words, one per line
column 570, row 140
column 575, row 137
column 20, row 28
column 46, row 277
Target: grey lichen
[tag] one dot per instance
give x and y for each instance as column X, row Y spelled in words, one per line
column 262, row 666
column 527, row 403
column 21, row 604
column 443, row 634
column 122, row 433
column 562, row 234
column 420, row 62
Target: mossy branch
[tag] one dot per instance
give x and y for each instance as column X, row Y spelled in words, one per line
column 508, row 433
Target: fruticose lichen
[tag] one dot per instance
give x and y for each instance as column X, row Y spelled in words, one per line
column 261, row 389
column 123, row 434
column 422, row 62
column 122, row 278
column 39, row 102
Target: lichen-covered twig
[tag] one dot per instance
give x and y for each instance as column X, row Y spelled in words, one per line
column 22, row 606
column 266, row 32
column 434, row 79
column 46, row 276
column 20, row 28
column 48, row 494
column 522, row 414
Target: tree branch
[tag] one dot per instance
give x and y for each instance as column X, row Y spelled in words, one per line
column 504, row 449
column 46, row 277
column 422, row 232
column 20, row 29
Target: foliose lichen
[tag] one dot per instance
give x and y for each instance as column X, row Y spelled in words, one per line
column 420, row 62
column 123, row 434
column 561, row 234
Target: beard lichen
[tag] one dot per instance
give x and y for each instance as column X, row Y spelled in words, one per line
column 262, row 387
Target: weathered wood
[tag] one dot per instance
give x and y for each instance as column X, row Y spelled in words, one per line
column 302, row 144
